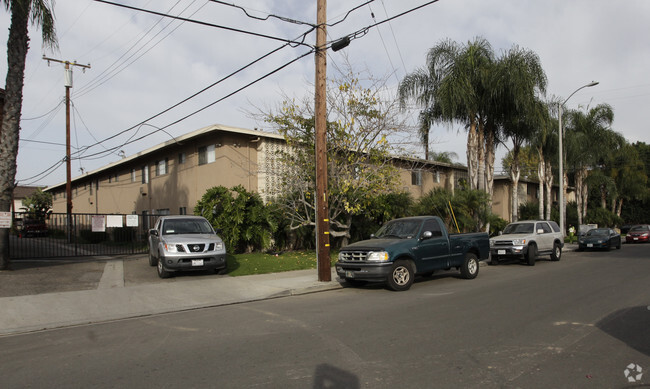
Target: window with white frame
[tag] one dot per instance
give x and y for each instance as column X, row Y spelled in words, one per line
column 145, row 174
column 206, row 154
column 416, row 177
column 181, row 158
column 161, row 167
column 133, row 175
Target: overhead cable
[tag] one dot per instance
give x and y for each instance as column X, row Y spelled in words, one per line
column 284, row 19
column 206, row 23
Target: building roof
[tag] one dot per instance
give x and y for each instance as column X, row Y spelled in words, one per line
column 203, row 131
column 22, row 192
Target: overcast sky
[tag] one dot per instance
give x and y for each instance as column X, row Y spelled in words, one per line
column 142, row 64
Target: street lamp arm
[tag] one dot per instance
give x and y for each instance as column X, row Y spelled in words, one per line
column 560, row 135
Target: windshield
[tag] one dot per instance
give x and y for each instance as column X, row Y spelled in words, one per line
column 598, row 231
column 519, row 228
column 399, row 229
column 638, row 228
column 186, row 226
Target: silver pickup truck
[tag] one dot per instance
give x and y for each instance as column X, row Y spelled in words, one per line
column 527, row 240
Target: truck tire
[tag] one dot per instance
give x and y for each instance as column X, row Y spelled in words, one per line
column 469, row 269
column 531, row 255
column 494, row 260
column 557, row 252
column 162, row 273
column 152, row 260
column 401, row 275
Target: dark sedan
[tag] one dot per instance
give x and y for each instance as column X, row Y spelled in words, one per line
column 639, row 233
column 599, row 238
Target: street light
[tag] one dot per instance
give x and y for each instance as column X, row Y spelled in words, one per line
column 560, row 137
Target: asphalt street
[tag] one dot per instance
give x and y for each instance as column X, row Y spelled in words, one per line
column 582, row 322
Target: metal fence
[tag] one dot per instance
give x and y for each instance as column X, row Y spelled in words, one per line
column 56, row 236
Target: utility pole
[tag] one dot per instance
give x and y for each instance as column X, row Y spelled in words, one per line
column 68, row 169
column 320, row 111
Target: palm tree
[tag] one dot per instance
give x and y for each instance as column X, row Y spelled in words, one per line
column 582, row 129
column 544, row 141
column 520, row 79
column 39, row 13
column 453, row 87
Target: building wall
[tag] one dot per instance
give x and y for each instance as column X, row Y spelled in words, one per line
column 177, row 190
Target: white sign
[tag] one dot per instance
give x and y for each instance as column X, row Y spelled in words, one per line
column 114, row 221
column 5, row 219
column 131, row 220
column 99, row 223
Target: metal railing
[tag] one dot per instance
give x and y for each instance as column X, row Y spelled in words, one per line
column 54, row 236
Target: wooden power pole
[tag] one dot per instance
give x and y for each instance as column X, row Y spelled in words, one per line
column 320, row 109
column 68, row 168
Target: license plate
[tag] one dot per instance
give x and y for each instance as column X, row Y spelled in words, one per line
column 501, row 252
column 197, row 262
column 636, row 238
column 349, row 274
column 590, row 245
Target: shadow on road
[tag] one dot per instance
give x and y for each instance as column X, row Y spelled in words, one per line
column 630, row 326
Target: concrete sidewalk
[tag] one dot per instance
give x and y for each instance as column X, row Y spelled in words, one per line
column 112, row 300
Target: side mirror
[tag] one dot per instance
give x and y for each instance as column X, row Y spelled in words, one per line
column 426, row 235
column 153, row 232
column 372, row 236
column 217, row 230
column 500, row 232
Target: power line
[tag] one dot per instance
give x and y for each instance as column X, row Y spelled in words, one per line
column 284, row 19
column 207, row 24
column 190, row 97
column 113, row 69
column 205, row 107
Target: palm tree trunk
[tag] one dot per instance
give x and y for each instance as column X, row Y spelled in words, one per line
column 585, row 198
column 481, row 156
column 514, row 176
column 548, row 182
column 540, row 176
column 17, row 46
column 620, row 207
column 472, row 158
column 489, row 169
column 579, row 197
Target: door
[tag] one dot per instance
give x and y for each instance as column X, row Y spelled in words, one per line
column 545, row 238
column 432, row 253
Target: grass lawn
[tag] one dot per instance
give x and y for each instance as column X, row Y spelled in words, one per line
column 260, row 263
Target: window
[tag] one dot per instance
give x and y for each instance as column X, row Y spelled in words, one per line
column 162, row 211
column 161, row 167
column 182, row 211
column 116, row 177
column 433, row 226
column 181, row 158
column 145, row 174
column 436, row 177
column 416, row 177
column 545, row 227
column 133, row 175
column 206, row 155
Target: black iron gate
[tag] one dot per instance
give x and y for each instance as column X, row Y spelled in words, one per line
column 56, row 236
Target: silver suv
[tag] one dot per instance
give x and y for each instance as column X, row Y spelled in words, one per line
column 185, row 243
column 528, row 239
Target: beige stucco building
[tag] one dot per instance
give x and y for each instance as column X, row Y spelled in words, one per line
column 170, row 178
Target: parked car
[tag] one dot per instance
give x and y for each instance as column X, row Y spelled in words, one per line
column 638, row 233
column 404, row 247
column 599, row 238
column 526, row 240
column 34, row 227
column 179, row 243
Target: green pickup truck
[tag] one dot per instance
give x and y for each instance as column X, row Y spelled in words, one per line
column 405, row 247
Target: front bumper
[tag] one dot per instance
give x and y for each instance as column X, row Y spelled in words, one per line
column 363, row 271
column 509, row 251
column 194, row 262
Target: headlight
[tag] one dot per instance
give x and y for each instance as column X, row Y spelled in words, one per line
column 600, row 241
column 377, row 256
column 170, row 248
column 219, row 246
column 491, row 243
column 518, row 242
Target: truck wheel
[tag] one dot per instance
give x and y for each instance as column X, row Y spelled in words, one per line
column 557, row 252
column 162, row 273
column 531, row 255
column 152, row 260
column 469, row 269
column 401, row 276
column 494, row 260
